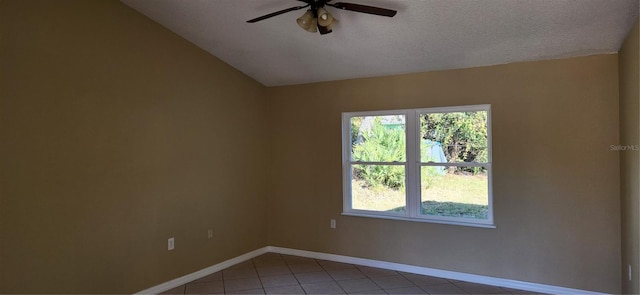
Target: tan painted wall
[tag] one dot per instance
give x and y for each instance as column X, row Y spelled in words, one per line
column 556, row 182
column 116, row 134
column 629, row 74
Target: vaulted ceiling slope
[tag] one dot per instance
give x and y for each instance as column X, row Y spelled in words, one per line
column 425, row 35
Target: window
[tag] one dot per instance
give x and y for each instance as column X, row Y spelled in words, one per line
column 429, row 165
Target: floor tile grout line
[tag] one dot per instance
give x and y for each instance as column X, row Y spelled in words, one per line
column 255, row 268
column 224, row 285
column 293, row 274
column 301, row 287
column 334, row 280
column 383, row 289
column 374, row 282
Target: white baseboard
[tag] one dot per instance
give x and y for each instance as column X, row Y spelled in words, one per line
column 526, row 286
column 520, row 285
column 203, row 272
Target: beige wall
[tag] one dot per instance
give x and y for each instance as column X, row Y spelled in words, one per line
column 556, row 182
column 116, row 134
column 629, row 74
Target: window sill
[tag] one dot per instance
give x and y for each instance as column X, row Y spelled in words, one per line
column 403, row 218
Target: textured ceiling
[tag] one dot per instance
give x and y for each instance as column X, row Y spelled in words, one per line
column 425, row 35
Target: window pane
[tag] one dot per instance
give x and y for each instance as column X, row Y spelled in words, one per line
column 378, row 138
column 454, row 137
column 378, row 188
column 449, row 192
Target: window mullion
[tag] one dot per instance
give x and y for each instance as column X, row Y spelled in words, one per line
column 346, row 162
column 412, row 168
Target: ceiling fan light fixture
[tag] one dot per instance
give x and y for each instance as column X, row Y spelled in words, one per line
column 306, row 20
column 330, row 26
column 314, row 26
column 324, row 17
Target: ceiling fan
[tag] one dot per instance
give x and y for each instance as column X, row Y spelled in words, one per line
column 318, row 19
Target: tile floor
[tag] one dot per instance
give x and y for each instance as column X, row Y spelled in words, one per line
column 274, row 273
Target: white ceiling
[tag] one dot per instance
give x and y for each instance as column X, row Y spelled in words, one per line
column 425, row 35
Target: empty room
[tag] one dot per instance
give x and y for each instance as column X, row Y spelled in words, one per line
column 319, row 147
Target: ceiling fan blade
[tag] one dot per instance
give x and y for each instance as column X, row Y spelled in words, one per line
column 364, row 9
column 257, row 19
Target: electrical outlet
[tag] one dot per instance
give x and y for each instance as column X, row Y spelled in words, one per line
column 209, row 234
column 170, row 244
column 629, row 272
column 333, row 223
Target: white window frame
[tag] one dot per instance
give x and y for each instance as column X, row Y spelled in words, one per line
column 412, row 167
